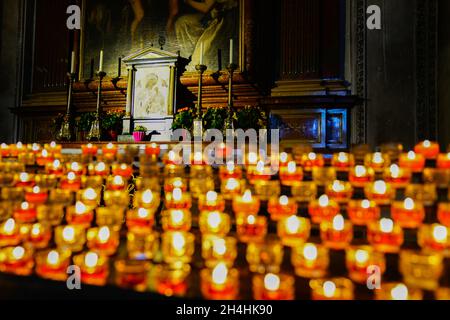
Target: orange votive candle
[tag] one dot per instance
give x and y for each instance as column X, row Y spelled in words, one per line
column 359, row 176
column 444, row 213
column 343, row 161
column 336, row 234
column 408, row 214
column 312, row 160
column 412, row 161
column 273, row 287
column 363, row 212
column 428, row 149
column 323, row 209
column 247, row 203
column 282, row 207
column 211, row 202
column 385, row 236
column 443, row 161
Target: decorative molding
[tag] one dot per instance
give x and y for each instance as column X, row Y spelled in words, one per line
column 426, row 69
column 359, row 51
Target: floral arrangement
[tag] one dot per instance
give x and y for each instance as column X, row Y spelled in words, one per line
column 112, row 120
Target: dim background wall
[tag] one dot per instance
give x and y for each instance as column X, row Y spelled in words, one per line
column 444, row 72
column 9, row 66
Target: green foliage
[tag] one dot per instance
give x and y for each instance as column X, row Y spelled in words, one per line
column 251, row 118
column 112, row 120
column 85, row 121
column 140, row 129
column 57, row 123
column 214, row 118
column 184, row 119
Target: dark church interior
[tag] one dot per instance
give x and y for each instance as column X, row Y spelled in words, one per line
column 338, row 190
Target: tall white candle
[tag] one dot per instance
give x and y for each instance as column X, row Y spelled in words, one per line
column 231, row 50
column 101, row 61
column 201, row 53
column 72, row 67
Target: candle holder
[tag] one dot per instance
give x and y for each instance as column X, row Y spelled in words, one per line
column 323, row 175
column 434, row 238
column 16, row 260
column 377, row 161
column 444, row 213
column 51, row 214
column 323, row 209
column 211, row 202
column 380, row 192
column 37, row 236
column 219, row 250
column 247, row 203
column 140, row 219
column 428, row 149
column 310, row 260
column 220, row 283
column 282, row 207
column 311, row 160
column 214, row 223
column 94, row 268
column 251, row 228
column 339, row 191
column 359, row 258
column 53, row 264
column 142, row 245
column 198, row 127
column 412, row 161
column 293, row 231
column 304, row 192
column 80, row 215
column 421, row 270
column 95, row 133
column 110, row 216
column 265, row 256
column 177, row 247
column 337, row 234
column 229, row 120
column 343, row 161
column 170, row 280
column 442, row 294
column 70, row 237
column 359, row 176
column 9, row 233
column 363, row 212
column 408, row 214
column 65, row 133
column 443, row 161
column 132, row 274
column 147, row 199
column 385, row 236
column 103, row 240
column 273, row 287
column 397, row 291
column 332, row 289
column 176, row 220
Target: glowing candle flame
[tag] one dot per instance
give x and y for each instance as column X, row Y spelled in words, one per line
column 178, row 241
column 104, row 235
column 283, row 157
column 100, row 167
column 19, row 145
column 80, row 208
column 53, row 258
column 18, row 253
column 386, row 225
column 408, row 204
column 68, row 234
column 91, row 260
column 123, row 166
column 219, row 247
column 361, row 256
column 147, row 197
column 214, row 220
column 251, row 220
column 292, row 167
column 272, row 282
column 395, row 171
column 338, row 223
column 440, row 234
column 220, row 274
column 171, row 156
column 118, row 181
column 411, row 155
column 230, row 166
column 399, row 292
column 310, row 252
column 283, row 201
column 9, row 227
column 232, row 184
column 360, row 171
column 247, row 197
column 329, row 289
column 178, row 183
column 89, row 145
column 25, row 206
column 71, row 176
column 24, row 177
column 36, row 190
column 338, row 186
column 90, row 194
column 75, row 166
column 380, row 187
column 342, row 157
column 292, row 224
column 44, row 153
column 324, row 201
column 377, row 158
column 211, row 196
column 427, row 144
column 365, row 204
column 53, row 144
column 177, row 194
column 110, row 146
column 36, row 230
column 252, row 158
column 177, row 217
column 143, row 213
column 312, row 156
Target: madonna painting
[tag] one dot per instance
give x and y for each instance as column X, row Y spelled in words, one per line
column 121, row 27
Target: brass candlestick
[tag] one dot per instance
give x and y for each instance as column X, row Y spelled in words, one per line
column 198, row 127
column 65, row 134
column 229, row 121
column 95, row 132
